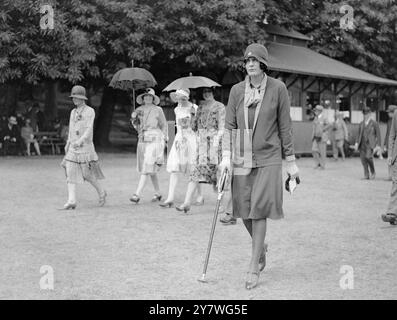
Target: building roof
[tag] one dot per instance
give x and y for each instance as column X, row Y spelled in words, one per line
column 277, row 30
column 302, row 60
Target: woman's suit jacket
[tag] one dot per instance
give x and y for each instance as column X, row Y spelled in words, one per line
column 272, row 132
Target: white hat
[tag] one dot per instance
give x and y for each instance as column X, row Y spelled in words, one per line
column 175, row 96
column 78, row 92
column 148, row 92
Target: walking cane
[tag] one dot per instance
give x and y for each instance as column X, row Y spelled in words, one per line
column 221, row 186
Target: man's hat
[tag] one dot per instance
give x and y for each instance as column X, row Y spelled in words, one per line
column 13, row 120
column 148, row 92
column 257, row 51
column 367, row 110
column 78, row 92
column 391, row 108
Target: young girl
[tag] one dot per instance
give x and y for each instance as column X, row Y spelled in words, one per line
column 150, row 122
column 183, row 151
column 208, row 125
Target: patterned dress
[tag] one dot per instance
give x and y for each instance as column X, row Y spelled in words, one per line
column 209, row 125
column 182, row 156
column 150, row 122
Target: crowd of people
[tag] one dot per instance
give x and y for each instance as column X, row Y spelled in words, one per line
column 18, row 132
column 247, row 138
column 204, row 145
column 368, row 140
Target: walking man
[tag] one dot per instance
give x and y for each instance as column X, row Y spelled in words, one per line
column 368, row 142
column 320, row 137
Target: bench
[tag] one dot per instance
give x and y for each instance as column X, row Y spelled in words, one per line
column 51, row 140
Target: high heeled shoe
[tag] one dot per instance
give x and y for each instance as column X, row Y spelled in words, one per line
column 184, row 208
column 157, row 197
column 68, row 206
column 262, row 259
column 135, row 198
column 102, row 198
column 252, row 280
column 167, row 204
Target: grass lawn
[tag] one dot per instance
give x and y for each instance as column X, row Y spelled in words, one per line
column 127, row 251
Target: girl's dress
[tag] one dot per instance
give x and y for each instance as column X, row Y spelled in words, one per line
column 151, row 125
column 182, row 156
column 209, row 125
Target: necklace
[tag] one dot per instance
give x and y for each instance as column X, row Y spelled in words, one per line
column 78, row 115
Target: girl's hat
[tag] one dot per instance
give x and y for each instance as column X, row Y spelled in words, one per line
column 148, row 92
column 175, row 96
column 78, row 92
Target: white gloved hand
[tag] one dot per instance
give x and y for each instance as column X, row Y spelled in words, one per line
column 292, row 169
column 225, row 164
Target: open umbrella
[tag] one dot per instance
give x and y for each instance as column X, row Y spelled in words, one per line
column 131, row 79
column 191, row 82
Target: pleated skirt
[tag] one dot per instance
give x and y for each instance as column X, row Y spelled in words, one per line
column 80, row 167
column 259, row 194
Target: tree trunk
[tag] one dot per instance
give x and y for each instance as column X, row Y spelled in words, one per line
column 51, row 101
column 11, row 99
column 104, row 118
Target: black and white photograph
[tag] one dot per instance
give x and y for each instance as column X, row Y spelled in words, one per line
column 207, row 151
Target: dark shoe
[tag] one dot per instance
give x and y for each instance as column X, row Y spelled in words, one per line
column 135, row 198
column 102, row 199
column 262, row 259
column 183, row 208
column 228, row 219
column 252, row 280
column 167, row 204
column 157, row 197
column 69, row 206
column 365, row 178
column 390, row 217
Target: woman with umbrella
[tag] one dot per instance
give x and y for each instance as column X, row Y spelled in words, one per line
column 258, row 113
column 183, row 152
column 150, row 122
column 209, row 127
column 81, row 161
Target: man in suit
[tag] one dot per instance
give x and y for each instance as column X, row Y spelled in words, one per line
column 11, row 137
column 321, row 126
column 391, row 213
column 368, row 142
